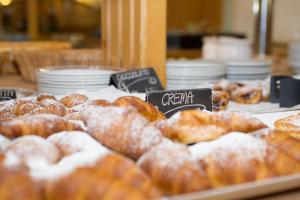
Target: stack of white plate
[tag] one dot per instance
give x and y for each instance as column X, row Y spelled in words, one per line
column 189, row 74
column 294, row 56
column 248, row 70
column 59, row 81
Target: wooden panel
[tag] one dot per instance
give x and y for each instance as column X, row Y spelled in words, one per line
column 206, row 14
column 134, row 34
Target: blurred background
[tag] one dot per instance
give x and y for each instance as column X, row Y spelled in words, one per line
column 78, row 21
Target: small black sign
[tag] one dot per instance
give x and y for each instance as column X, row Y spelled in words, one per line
column 140, row 80
column 285, row 90
column 7, row 94
column 171, row 101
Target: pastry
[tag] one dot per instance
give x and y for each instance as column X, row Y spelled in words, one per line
column 246, row 95
column 290, row 123
column 231, row 87
column 146, row 109
column 122, row 129
column 17, row 185
column 73, row 100
column 34, row 151
column 41, row 97
column 237, row 158
column 41, row 125
column 194, row 126
column 112, row 177
column 173, row 169
column 49, row 106
column 220, row 100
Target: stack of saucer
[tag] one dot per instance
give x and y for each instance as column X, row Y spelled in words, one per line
column 189, row 74
column 294, row 56
column 248, row 70
column 59, row 81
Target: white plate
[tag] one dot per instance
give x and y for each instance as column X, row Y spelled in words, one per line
column 256, row 63
column 74, row 71
column 194, row 64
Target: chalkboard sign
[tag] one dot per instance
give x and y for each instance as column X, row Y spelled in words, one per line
column 7, row 94
column 285, row 90
column 171, row 101
column 141, row 80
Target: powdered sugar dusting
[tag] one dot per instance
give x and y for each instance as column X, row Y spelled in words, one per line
column 76, row 141
column 244, row 146
column 4, row 141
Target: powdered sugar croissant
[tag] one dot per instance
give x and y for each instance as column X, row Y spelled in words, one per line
column 42, row 125
column 122, row 129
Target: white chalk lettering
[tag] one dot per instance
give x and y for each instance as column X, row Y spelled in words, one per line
column 177, row 98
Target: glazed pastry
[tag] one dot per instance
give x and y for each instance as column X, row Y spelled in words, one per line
column 122, row 129
column 73, row 100
column 220, row 100
column 194, row 126
column 41, row 125
column 291, row 123
column 112, row 177
column 34, row 151
column 146, row 109
column 237, row 158
column 172, row 168
column 4, row 115
column 246, row 95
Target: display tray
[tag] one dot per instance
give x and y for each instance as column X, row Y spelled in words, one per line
column 246, row 190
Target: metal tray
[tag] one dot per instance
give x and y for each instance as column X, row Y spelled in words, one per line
column 246, row 190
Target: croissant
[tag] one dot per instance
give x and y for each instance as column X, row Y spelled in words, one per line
column 112, row 177
column 122, row 129
column 33, row 150
column 74, row 113
column 237, row 158
column 17, row 185
column 194, row 126
column 144, row 108
column 291, row 123
column 41, row 125
column 173, row 169
column 73, row 100
column 49, row 106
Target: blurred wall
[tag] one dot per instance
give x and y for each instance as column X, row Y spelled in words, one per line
column 238, row 16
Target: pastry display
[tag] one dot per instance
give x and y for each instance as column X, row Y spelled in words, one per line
column 244, row 92
column 81, row 148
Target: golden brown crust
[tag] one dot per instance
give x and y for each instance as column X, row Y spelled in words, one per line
column 247, row 95
column 73, row 100
column 172, row 168
column 122, row 129
column 49, row 106
column 42, row 125
column 113, row 177
column 144, row 108
column 193, row 126
column 17, row 185
column 45, row 96
column 291, row 123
